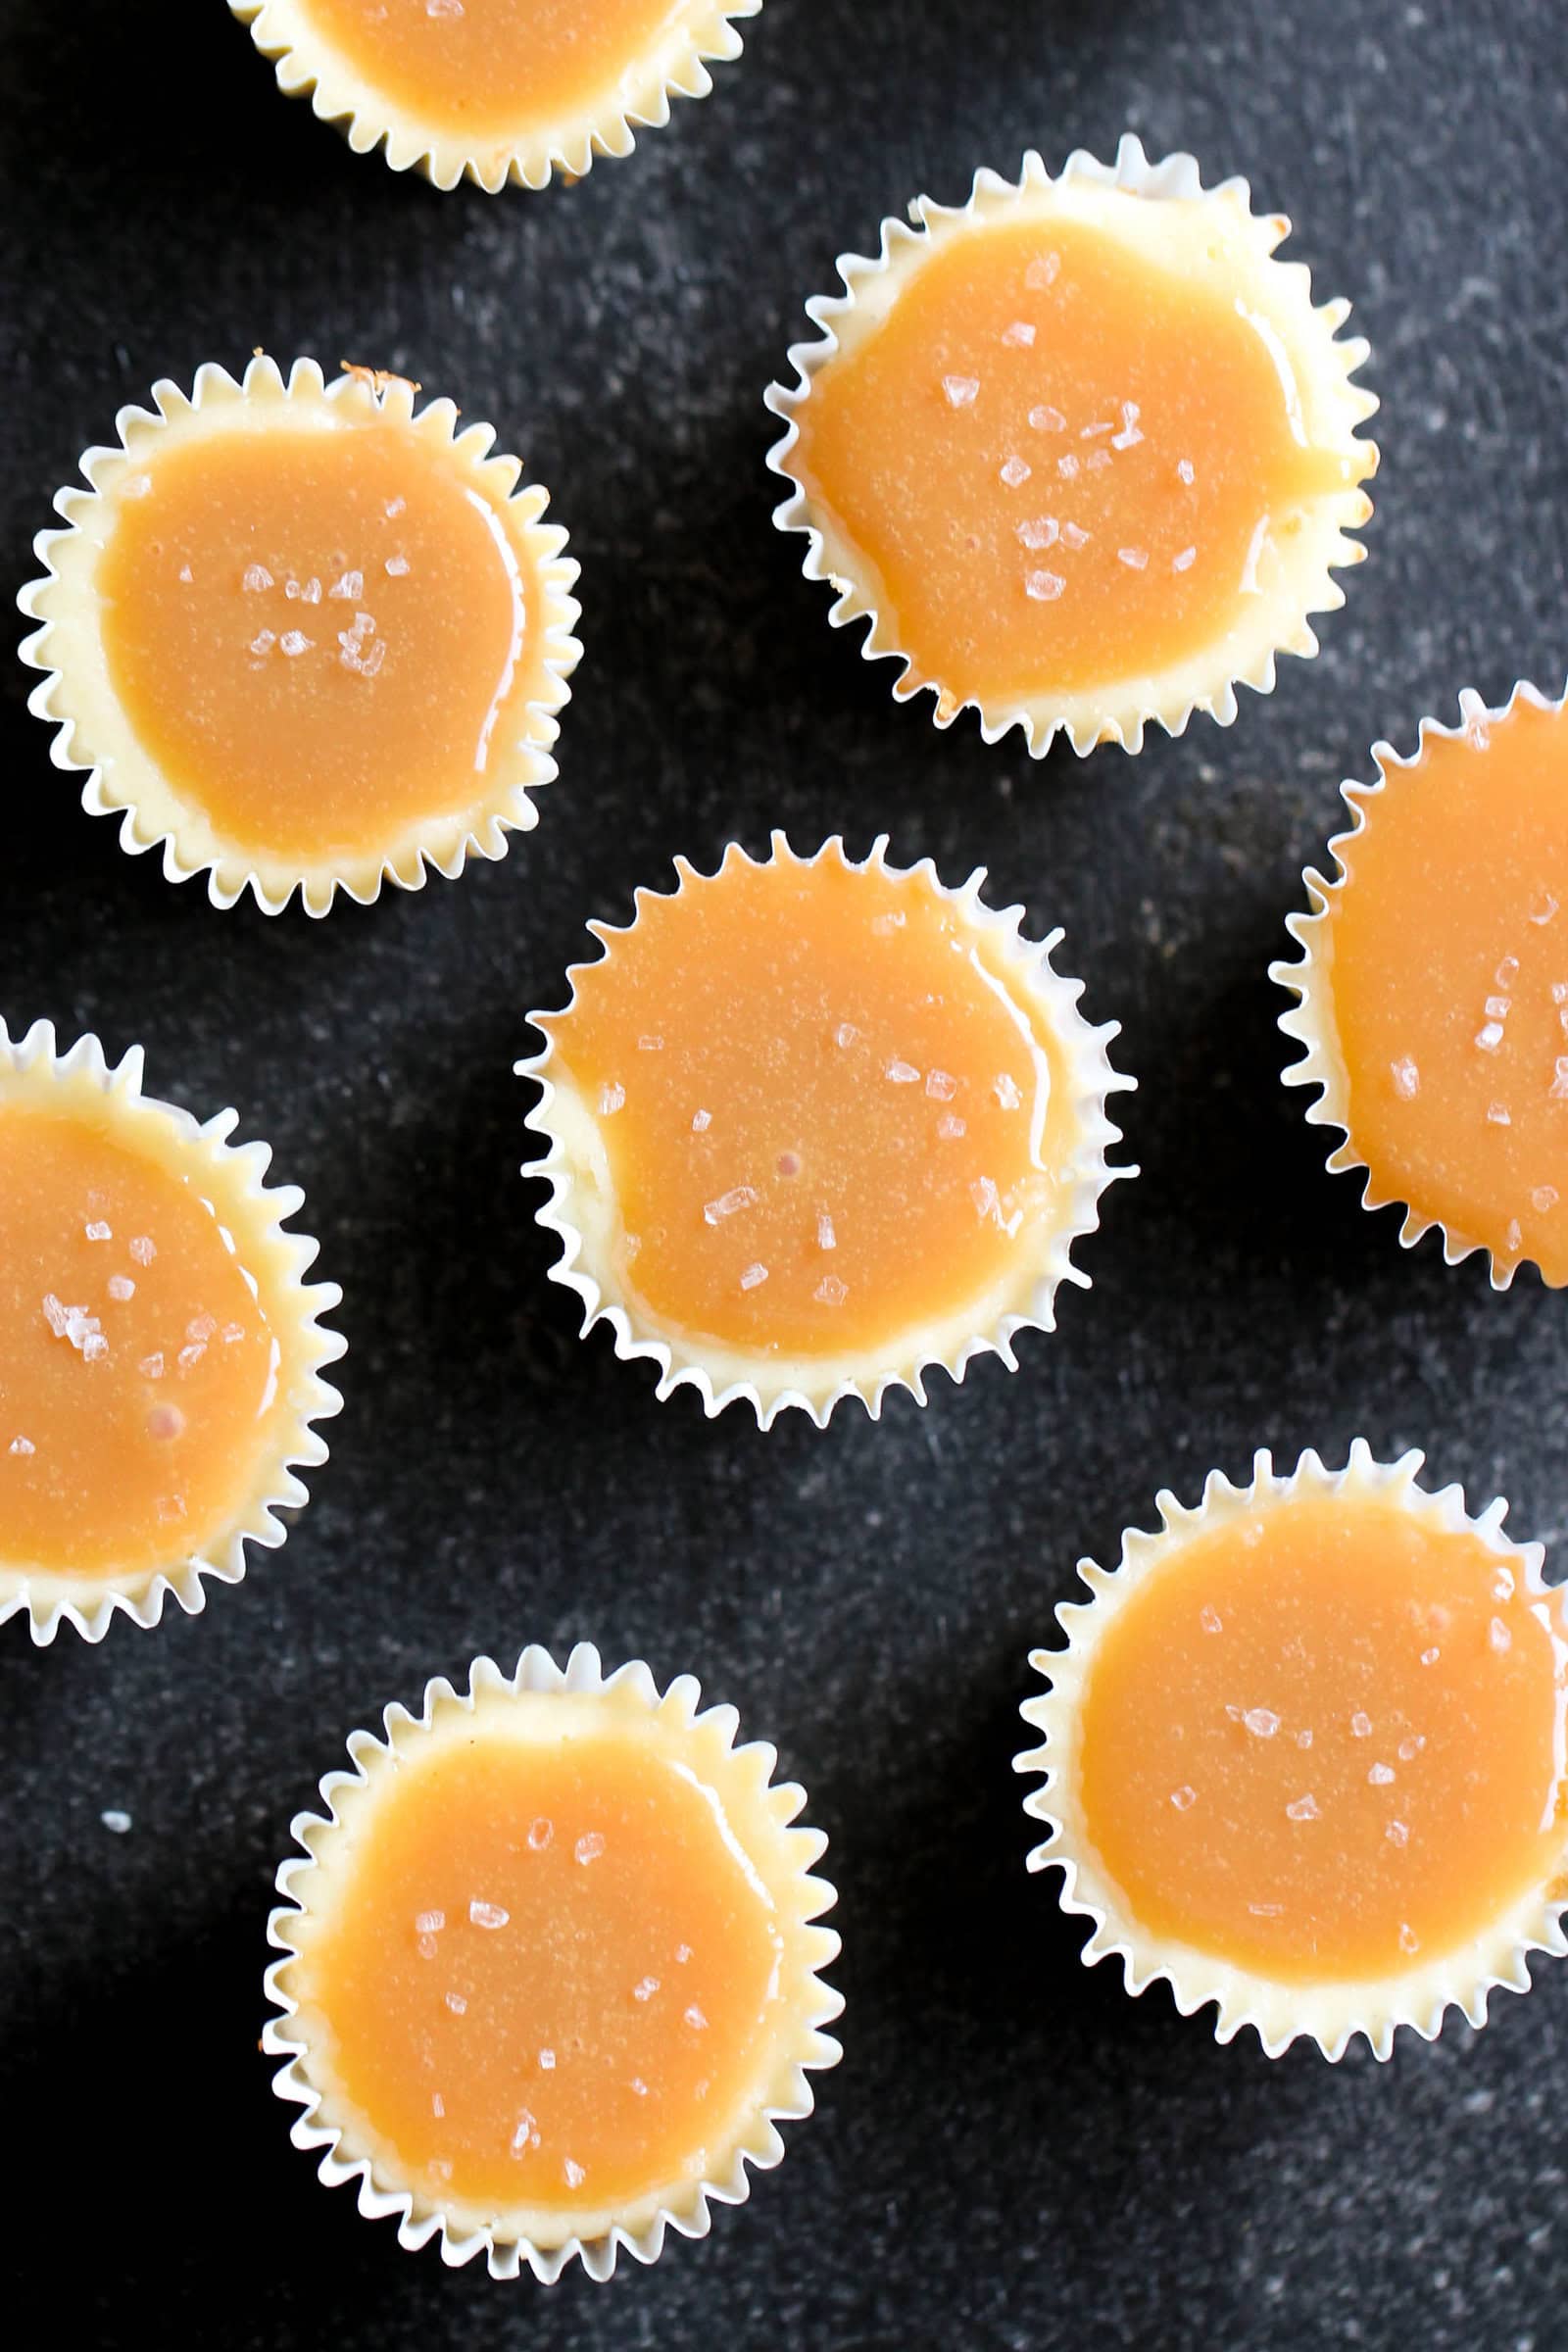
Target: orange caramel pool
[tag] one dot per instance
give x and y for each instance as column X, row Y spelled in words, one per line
column 829, row 1114
column 138, row 1369
column 1059, row 462
column 482, row 69
column 1326, row 1742
column 315, row 630
column 547, row 1971
column 1449, row 979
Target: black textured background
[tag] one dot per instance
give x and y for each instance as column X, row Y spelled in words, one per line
column 1012, row 2154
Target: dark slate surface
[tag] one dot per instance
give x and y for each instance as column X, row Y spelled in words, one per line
column 1012, row 2154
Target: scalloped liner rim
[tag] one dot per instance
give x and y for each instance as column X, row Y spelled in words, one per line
column 1176, row 174
column 1309, row 1022
column 1091, row 1176
column 536, row 1671
column 142, row 1599
column 347, row 102
column 441, row 845
column 1333, row 2015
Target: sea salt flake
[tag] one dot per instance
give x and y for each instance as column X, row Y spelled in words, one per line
column 1043, row 587
column 394, row 507
column 1047, row 419
column 1303, row 1808
column 150, row 1368
column 397, row 565
column 961, row 390
column 1497, row 1113
column 142, row 1250
column 186, row 575
column 1508, row 971
column 589, row 1849
column 729, row 1204
column 1515, row 1233
column 456, row 2003
column 950, row 1126
column 610, row 1100
column 94, row 1347
column 255, row 578
column 1410, row 1749
column 1184, row 470
column 1185, row 560
column 1502, row 1584
column 702, row 1120
column 1020, row 335
column 1543, row 1198
column 488, row 1915
column 1074, row 535
column 1098, row 460
column 1362, row 1724
column 294, row 642
column 527, row 2134
column 429, row 1923
column 755, row 1276
column 1410, row 1940
column 1043, row 272
column 1543, row 907
column 696, row 2020
column 826, row 1236
column 1211, row 1621
column 1498, row 1635
column 1380, row 1776
column 1016, row 473
column 1129, row 436
column 1092, row 432
column 189, row 1357
column 1039, row 534
column 645, row 1989
column 574, row 2173
column 1265, row 1910
column 540, row 1832
column 1136, row 559
column 844, row 1034
column 830, row 1291
column 1008, row 1092
column 983, row 1193
column 1183, row 1798
column 348, row 587
column 98, row 1231
column 1559, row 1089
column 1261, row 1722
column 1303, row 1738
column 1397, row 1833
column 427, row 1947
column 233, row 1334
column 1429, row 1657
column 22, row 1446
column 1490, row 1036
column 438, row 2105
column 122, row 1288
column 1498, row 1007
column 903, row 1074
column 1067, row 467
column 547, row 2062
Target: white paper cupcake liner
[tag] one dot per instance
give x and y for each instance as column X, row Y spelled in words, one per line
column 1277, row 622
column 580, row 1210
column 700, row 34
column 756, row 2144
column 1330, row 2014
column 243, row 1199
column 94, row 735
column 1308, row 977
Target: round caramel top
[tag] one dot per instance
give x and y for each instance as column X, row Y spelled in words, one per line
column 1448, row 983
column 316, row 627
column 487, row 68
column 1327, row 1739
column 545, row 1973
column 830, row 1114
column 1060, row 461
column 138, row 1367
